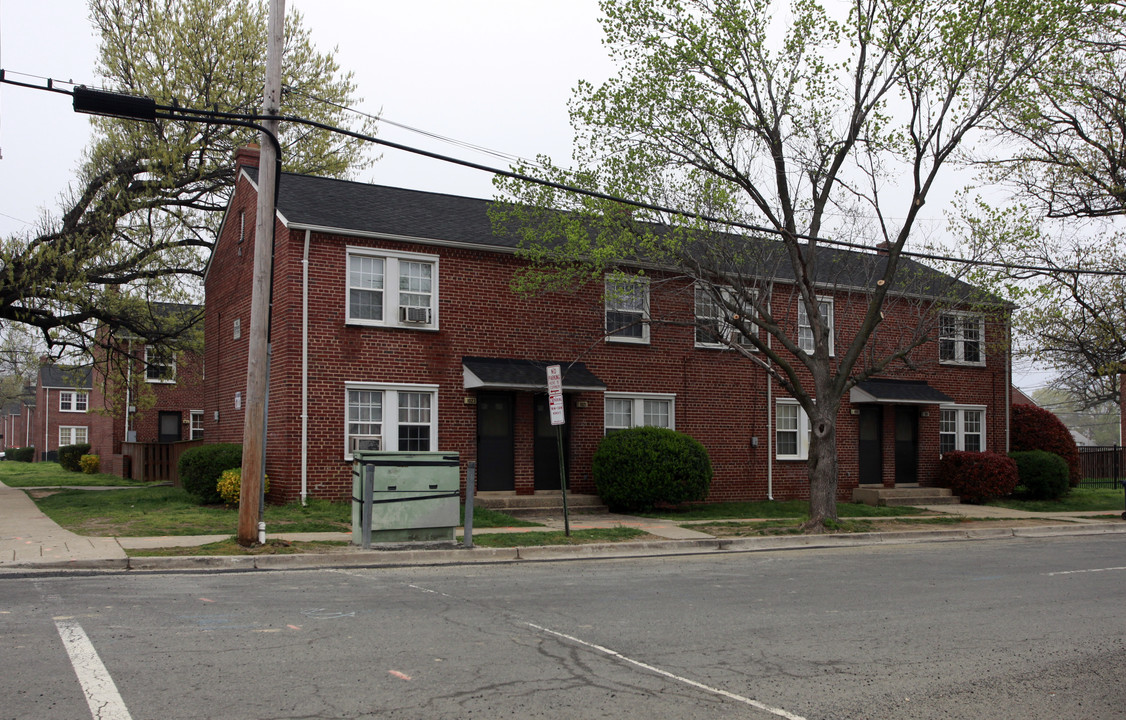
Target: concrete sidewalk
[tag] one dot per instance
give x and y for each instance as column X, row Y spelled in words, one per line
column 31, row 540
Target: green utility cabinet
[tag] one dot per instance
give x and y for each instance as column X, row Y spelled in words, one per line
column 415, row 496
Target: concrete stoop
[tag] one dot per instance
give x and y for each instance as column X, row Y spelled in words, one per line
column 879, row 496
column 544, row 502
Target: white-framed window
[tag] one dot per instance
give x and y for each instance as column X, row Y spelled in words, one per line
column 805, row 330
column 392, row 289
column 197, row 425
column 712, row 327
column 791, row 426
column 73, row 401
column 626, row 410
column 627, row 310
column 961, row 428
column 961, row 339
column 391, row 417
column 72, row 435
column 160, row 366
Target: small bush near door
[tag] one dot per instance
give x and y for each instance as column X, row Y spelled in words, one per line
column 640, row 467
column 90, row 464
column 978, row 477
column 1043, row 475
column 200, row 468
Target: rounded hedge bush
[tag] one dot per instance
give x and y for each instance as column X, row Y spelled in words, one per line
column 90, row 464
column 640, row 467
column 1034, row 428
column 201, row 466
column 71, row 455
column 1043, row 475
column 21, row 454
column 978, row 477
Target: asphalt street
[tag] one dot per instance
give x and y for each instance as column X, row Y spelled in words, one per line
column 1025, row 628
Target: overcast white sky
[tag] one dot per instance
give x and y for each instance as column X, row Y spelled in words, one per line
column 494, row 73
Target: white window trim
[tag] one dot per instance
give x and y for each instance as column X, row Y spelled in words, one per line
column 391, row 400
column 160, row 381
column 960, row 436
column 71, row 406
column 728, row 329
column 961, row 318
column 637, row 416
column 608, row 306
column 391, row 259
column 192, row 415
column 72, row 434
column 829, row 318
column 802, row 430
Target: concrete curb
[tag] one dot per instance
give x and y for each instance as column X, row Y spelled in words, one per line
column 380, row 558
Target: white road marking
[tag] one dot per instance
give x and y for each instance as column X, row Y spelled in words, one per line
column 1077, row 572
column 101, row 692
column 665, row 673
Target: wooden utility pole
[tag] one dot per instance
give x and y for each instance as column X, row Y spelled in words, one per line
column 258, row 360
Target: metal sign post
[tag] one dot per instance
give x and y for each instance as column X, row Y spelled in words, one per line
column 555, row 404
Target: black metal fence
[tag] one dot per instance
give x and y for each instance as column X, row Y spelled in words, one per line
column 1102, row 466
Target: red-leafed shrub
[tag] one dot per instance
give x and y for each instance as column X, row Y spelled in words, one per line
column 1034, row 428
column 978, row 477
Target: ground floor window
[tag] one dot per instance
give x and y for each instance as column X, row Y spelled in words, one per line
column 792, row 431
column 961, row 429
column 625, row 410
column 391, row 417
column 72, row 435
column 197, row 425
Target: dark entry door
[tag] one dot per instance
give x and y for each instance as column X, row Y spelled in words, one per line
column 169, row 426
column 495, row 469
column 871, row 445
column 547, row 445
column 906, row 444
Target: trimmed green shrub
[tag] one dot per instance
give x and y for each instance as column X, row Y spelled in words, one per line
column 22, row 454
column 640, row 467
column 229, row 486
column 71, row 455
column 1043, row 475
column 978, row 477
column 90, row 464
column 1034, row 428
column 201, row 466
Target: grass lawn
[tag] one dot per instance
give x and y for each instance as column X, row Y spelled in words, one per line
column 797, row 509
column 231, row 547
column 556, row 537
column 48, row 474
column 1078, row 500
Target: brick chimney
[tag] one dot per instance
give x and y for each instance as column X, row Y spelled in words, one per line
column 247, row 156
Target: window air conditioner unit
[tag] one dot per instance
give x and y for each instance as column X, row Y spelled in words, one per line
column 366, row 442
column 414, row 314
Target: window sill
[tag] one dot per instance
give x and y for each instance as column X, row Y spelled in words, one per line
column 390, row 326
column 961, row 363
column 627, row 341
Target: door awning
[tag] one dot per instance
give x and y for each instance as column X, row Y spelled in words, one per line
column 897, row 392
column 529, row 375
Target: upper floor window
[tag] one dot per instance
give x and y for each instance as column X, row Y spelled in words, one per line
column 625, row 411
column 160, row 366
column 961, row 429
column 627, row 310
column 391, row 417
column 792, row 431
column 73, row 401
column 805, row 329
column 712, row 327
column 392, row 288
column 961, row 339
column 72, row 435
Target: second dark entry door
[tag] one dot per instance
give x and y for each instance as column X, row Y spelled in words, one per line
column 547, row 445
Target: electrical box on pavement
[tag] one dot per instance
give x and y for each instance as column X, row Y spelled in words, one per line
column 415, row 496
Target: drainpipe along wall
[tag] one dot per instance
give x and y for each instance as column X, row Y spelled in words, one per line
column 305, row 371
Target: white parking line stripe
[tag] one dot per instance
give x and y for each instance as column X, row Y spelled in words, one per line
column 612, row 653
column 1078, row 572
column 101, row 692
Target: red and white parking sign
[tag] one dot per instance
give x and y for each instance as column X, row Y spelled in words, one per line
column 555, row 394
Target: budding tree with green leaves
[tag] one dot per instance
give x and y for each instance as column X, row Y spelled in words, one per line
column 138, row 223
column 809, row 120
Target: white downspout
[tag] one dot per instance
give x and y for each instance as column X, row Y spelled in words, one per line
column 305, row 371
column 46, row 422
column 769, row 439
column 128, row 386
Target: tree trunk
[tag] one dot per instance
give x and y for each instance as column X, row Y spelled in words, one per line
column 822, row 468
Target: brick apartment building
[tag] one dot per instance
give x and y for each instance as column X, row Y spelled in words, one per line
column 394, row 325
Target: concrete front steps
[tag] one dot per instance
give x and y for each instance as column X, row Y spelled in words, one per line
column 544, row 502
column 881, row 496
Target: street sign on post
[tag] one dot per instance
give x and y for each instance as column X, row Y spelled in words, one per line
column 555, row 406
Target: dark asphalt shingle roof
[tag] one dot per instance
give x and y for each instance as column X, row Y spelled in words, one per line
column 55, row 376
column 513, row 373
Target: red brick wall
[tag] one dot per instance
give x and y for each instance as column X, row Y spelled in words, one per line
column 721, row 398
